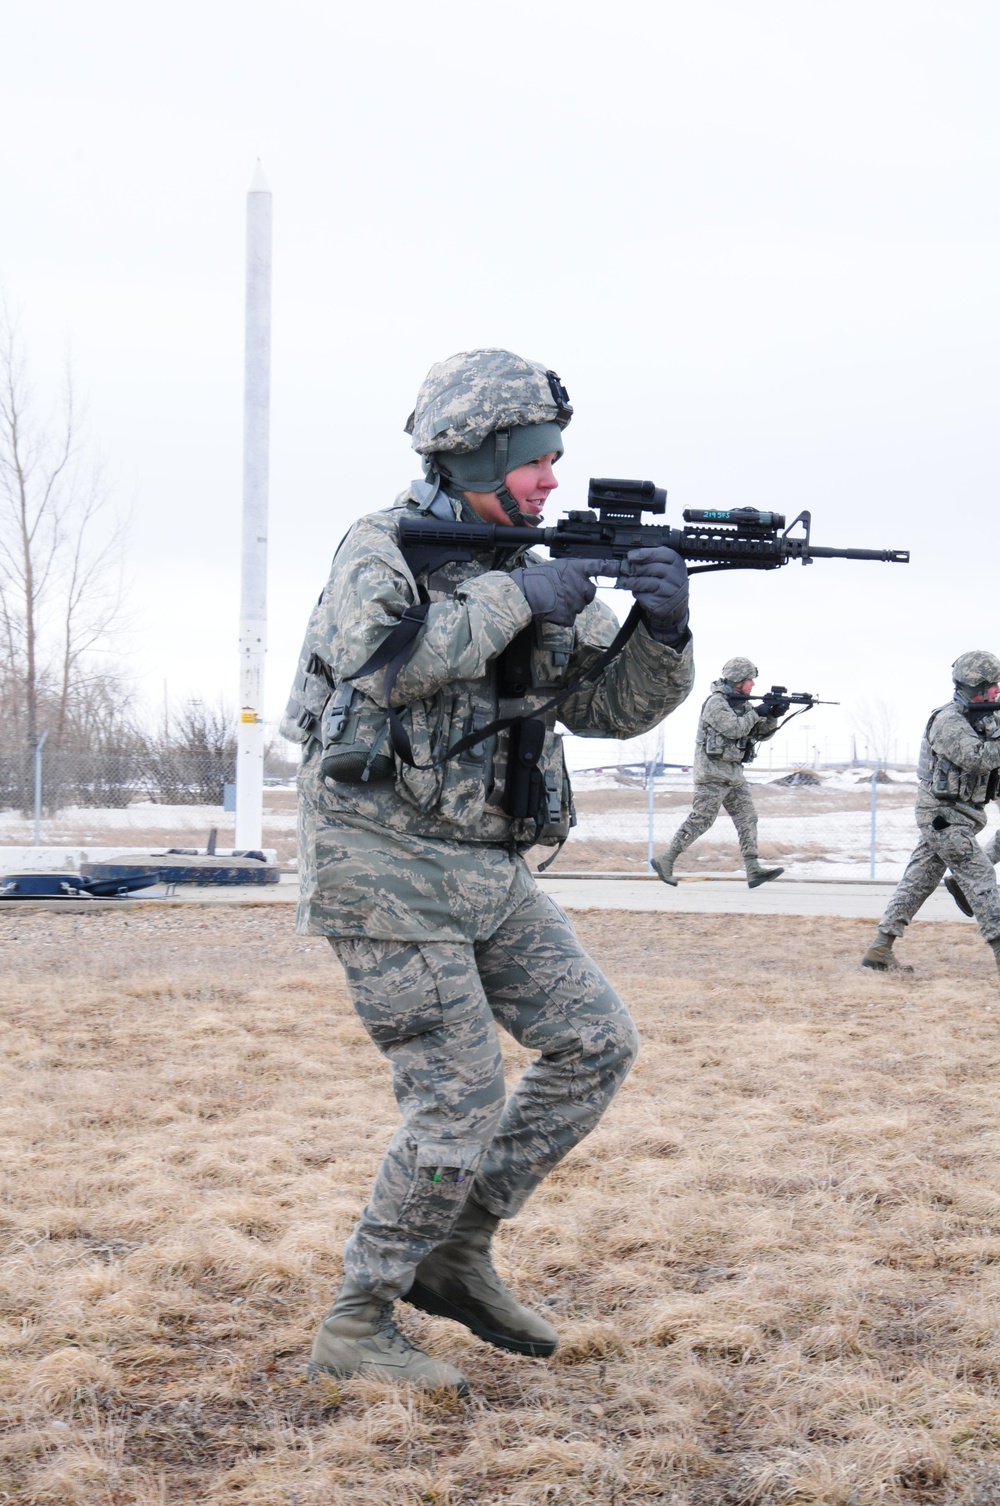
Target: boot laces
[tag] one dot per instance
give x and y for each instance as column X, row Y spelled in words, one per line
column 385, row 1326
column 488, row 1274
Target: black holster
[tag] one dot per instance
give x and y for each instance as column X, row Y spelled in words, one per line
column 524, row 790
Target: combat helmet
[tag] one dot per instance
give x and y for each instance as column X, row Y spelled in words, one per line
column 481, row 413
column 975, row 671
column 735, row 671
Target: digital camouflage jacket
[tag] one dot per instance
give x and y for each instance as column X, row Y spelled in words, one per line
column 727, row 739
column 428, row 853
column 956, row 769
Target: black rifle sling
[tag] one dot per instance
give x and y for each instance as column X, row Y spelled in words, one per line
column 787, row 719
column 502, row 723
column 394, row 651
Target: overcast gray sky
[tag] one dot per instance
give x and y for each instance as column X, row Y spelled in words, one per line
column 757, row 239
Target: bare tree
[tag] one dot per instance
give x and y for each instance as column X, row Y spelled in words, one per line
column 875, row 725
column 194, row 757
column 60, row 560
column 206, row 730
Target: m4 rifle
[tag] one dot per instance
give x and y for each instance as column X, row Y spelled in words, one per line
column 740, row 538
column 793, row 697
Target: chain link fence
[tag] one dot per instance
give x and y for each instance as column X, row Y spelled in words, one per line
column 112, row 780
column 145, row 798
column 848, row 821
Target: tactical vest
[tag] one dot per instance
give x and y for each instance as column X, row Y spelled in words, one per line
column 725, row 749
column 516, row 779
column 946, row 781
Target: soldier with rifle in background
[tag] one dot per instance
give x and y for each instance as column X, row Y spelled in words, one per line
column 957, row 776
column 730, row 729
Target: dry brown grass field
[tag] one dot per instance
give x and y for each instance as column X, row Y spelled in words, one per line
column 775, row 1265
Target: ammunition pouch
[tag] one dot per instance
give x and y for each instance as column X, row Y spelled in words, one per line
column 354, row 733
column 309, row 696
column 718, row 746
column 946, row 780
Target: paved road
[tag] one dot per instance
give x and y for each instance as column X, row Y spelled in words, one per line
column 861, row 900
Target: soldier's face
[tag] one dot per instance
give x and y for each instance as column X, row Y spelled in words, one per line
column 529, row 485
column 992, row 694
column 744, row 687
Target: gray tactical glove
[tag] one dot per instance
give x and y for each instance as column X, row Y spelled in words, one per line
column 658, row 580
column 560, row 589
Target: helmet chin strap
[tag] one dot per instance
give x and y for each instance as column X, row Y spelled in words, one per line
column 494, row 485
column 504, row 497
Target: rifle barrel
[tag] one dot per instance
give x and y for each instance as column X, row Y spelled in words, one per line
column 887, row 556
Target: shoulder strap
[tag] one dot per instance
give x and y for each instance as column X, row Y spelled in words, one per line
column 393, row 652
column 932, row 719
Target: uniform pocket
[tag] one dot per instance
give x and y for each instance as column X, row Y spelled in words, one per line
column 420, row 783
column 392, row 989
column 442, row 1177
column 955, row 845
column 552, row 650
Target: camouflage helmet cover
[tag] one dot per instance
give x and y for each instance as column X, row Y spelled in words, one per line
column 976, row 668
column 735, row 671
column 472, row 394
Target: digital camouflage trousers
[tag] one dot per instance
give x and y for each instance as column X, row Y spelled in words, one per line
column 433, row 1010
column 953, row 847
column 711, row 796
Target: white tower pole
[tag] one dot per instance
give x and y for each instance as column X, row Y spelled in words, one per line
column 253, row 589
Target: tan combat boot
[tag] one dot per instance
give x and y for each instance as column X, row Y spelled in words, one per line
column 457, row 1280
column 880, row 955
column 664, row 864
column 358, row 1337
column 756, row 875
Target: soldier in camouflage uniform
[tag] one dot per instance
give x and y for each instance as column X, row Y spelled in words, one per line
column 954, row 888
column 412, row 856
column 957, row 775
column 729, row 730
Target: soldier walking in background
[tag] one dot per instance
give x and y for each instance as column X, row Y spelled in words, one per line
column 412, row 840
column 729, row 730
column 957, row 776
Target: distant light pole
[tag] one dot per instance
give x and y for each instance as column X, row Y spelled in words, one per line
column 253, row 585
column 38, row 788
column 806, row 730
